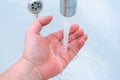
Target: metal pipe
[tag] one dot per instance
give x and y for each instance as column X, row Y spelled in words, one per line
column 68, row 7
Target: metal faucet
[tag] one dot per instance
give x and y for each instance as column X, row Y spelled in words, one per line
column 68, row 7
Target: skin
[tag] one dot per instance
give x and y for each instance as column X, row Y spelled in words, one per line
column 44, row 56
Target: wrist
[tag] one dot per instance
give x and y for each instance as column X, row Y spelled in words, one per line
column 22, row 70
column 31, row 71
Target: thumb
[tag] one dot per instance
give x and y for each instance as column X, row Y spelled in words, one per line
column 39, row 23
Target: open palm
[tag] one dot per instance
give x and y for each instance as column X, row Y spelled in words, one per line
column 47, row 53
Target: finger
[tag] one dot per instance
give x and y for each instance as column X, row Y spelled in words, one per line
column 74, row 28
column 85, row 37
column 59, row 35
column 76, row 35
column 73, row 49
column 76, row 45
column 39, row 23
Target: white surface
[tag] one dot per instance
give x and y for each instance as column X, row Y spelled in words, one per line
column 99, row 59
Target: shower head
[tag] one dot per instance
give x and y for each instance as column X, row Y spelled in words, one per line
column 68, row 7
column 35, row 6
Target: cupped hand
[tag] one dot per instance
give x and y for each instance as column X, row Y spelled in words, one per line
column 47, row 53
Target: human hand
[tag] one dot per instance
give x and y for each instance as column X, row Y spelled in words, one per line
column 47, row 53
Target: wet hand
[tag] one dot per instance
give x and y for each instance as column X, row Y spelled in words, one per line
column 47, row 53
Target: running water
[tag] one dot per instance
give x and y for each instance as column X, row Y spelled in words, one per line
column 67, row 22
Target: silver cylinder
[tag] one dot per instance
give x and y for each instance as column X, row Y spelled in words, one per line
column 68, row 7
